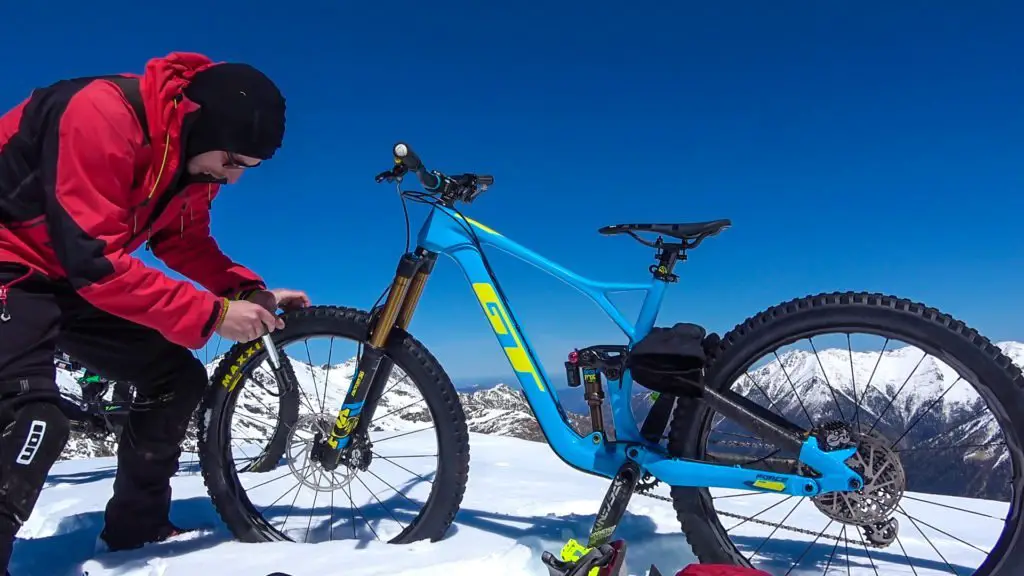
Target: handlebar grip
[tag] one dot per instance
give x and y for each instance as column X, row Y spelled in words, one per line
column 404, row 154
column 485, row 179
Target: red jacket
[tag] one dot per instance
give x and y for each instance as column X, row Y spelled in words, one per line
column 719, row 570
column 82, row 187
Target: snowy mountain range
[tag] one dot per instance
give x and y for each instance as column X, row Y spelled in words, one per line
column 953, row 438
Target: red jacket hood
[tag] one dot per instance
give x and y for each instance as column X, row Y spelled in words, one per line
column 162, row 83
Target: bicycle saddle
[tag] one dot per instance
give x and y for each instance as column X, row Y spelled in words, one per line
column 682, row 231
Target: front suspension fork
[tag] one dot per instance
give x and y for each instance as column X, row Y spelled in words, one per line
column 374, row 369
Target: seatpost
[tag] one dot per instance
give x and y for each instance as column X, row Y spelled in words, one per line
column 668, row 255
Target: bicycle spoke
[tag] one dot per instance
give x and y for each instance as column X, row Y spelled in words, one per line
column 330, row 523
column 398, row 409
column 327, row 376
column 299, row 486
column 846, row 544
column 774, row 530
column 378, row 501
column 763, row 393
column 955, row 447
column 393, row 463
column 787, row 499
column 923, row 412
column 312, row 507
column 893, row 399
column 907, row 497
column 907, row 556
column 743, row 494
column 404, row 434
column 824, row 375
column 809, row 546
column 285, row 475
column 967, row 429
column 868, row 554
column 929, row 540
column 832, row 556
column 256, row 396
column 958, row 539
column 853, row 382
column 397, row 491
column 361, row 515
column 867, row 387
column 795, row 393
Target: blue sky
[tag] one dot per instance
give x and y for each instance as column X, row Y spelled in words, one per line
column 853, row 145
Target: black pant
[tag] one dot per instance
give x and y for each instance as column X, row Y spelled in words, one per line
column 45, row 315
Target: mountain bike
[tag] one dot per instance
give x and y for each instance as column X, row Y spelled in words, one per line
column 853, row 476
column 89, row 412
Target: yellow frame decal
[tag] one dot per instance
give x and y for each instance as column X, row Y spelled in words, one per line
column 502, row 326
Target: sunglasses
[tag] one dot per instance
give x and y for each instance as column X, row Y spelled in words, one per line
column 233, row 162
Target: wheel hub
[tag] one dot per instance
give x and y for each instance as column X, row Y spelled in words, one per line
column 884, row 480
column 302, row 455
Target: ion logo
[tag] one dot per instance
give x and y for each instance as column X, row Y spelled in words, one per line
column 35, row 437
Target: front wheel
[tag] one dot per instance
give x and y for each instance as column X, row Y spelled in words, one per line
column 290, row 495
column 938, row 422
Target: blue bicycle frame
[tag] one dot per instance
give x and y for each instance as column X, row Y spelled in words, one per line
column 447, row 232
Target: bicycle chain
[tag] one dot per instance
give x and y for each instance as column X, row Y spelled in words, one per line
column 767, row 523
column 651, row 483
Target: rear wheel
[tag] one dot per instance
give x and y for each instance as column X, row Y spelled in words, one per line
column 958, row 440
column 244, row 496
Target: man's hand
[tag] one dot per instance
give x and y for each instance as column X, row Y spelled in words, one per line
column 245, row 321
column 290, row 299
column 282, row 298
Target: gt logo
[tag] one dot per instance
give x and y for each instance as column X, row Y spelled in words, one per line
column 504, row 329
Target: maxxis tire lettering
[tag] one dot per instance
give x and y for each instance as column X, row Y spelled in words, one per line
column 433, row 383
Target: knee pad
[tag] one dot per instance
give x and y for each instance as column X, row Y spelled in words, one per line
column 29, row 445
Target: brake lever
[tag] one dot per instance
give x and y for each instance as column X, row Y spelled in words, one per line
column 395, row 173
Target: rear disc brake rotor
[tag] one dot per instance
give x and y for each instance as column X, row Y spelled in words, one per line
column 884, row 485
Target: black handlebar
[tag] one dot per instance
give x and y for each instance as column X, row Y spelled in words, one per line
column 462, row 187
column 405, row 155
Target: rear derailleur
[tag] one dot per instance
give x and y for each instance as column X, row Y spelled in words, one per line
column 881, row 534
column 866, row 506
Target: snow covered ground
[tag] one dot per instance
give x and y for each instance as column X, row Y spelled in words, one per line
column 520, row 501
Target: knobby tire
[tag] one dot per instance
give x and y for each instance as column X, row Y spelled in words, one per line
column 408, row 354
column 997, row 380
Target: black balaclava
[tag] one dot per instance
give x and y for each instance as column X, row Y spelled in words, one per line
column 242, row 112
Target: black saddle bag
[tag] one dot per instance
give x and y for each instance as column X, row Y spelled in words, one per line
column 669, row 360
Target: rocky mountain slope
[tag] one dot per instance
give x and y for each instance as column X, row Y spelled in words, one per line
column 952, row 439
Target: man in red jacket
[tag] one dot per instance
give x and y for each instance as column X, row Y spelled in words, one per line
column 90, row 169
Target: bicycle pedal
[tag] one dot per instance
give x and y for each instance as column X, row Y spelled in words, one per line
column 578, row 560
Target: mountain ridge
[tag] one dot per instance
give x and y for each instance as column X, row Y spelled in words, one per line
column 942, row 409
